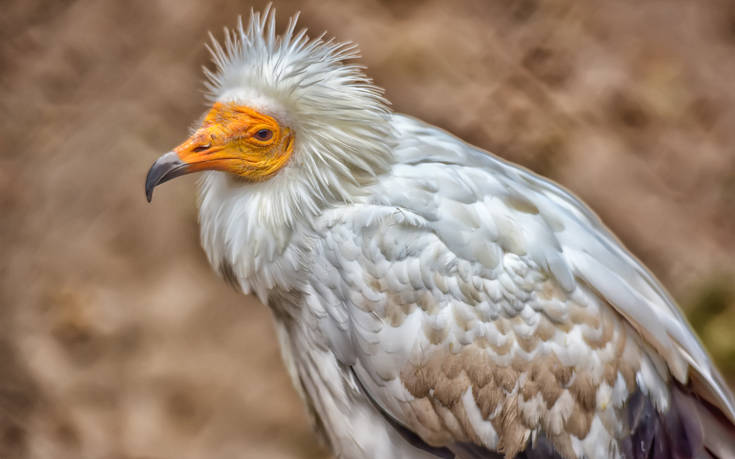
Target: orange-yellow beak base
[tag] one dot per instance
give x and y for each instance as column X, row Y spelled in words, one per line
column 232, row 138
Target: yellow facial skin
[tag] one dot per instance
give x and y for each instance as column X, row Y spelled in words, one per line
column 238, row 140
column 233, row 139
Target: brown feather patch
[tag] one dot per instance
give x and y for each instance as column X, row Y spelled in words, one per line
column 537, row 384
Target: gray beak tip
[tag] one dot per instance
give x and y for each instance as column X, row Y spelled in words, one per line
column 165, row 168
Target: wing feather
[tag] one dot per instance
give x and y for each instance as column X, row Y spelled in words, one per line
column 479, row 304
column 589, row 251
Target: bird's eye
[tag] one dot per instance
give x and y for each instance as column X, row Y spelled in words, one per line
column 264, row 135
column 202, row 148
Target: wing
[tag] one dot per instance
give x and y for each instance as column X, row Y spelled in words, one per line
column 481, row 306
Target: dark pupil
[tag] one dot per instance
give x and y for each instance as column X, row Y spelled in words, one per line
column 264, row 134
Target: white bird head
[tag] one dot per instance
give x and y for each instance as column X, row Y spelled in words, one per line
column 291, row 121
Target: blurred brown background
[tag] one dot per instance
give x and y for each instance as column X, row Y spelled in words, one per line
column 116, row 339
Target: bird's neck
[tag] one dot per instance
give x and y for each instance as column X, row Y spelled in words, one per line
column 254, row 233
column 248, row 232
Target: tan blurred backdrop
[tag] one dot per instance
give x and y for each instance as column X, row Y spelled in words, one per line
column 116, row 339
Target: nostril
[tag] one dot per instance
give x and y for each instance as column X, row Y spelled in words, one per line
column 201, row 148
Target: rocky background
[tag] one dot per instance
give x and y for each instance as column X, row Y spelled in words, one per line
column 116, row 339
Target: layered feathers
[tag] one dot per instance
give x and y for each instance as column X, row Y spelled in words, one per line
column 433, row 300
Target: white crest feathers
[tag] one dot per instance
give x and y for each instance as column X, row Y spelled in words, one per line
column 342, row 135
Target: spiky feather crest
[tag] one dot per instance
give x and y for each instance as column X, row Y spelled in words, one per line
column 343, row 139
column 339, row 116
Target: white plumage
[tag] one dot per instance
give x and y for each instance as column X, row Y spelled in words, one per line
column 434, row 300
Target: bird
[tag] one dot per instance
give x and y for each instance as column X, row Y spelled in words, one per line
column 431, row 299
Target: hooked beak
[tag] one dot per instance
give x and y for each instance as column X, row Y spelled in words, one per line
column 167, row 167
column 233, row 139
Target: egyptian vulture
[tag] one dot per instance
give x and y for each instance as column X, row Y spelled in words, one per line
column 431, row 299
